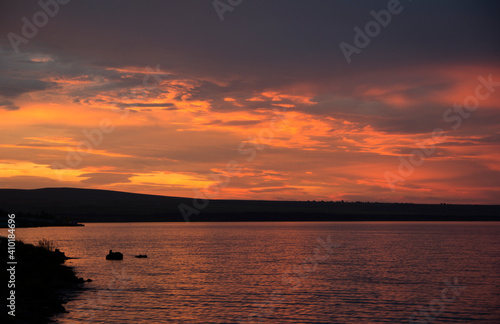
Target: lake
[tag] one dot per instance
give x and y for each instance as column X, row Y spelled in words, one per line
column 303, row 272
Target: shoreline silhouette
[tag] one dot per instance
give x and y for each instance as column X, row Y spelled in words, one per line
column 43, row 283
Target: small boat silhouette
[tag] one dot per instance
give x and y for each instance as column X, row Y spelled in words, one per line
column 141, row 256
column 114, row 255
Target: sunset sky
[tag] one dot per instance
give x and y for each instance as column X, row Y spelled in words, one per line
column 159, row 97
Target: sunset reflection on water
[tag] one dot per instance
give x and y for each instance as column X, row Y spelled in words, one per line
column 341, row 272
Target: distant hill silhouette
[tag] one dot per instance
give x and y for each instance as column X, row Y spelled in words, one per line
column 90, row 205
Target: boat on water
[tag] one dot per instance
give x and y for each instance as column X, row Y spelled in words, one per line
column 141, row 256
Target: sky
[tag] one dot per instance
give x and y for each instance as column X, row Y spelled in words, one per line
column 388, row 101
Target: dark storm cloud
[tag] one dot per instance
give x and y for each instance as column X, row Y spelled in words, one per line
column 8, row 105
column 234, row 122
column 282, row 41
column 260, row 45
column 492, row 139
column 148, row 105
column 11, row 87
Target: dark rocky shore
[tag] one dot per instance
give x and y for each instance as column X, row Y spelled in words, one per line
column 43, row 283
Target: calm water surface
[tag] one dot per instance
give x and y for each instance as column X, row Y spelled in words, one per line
column 335, row 272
